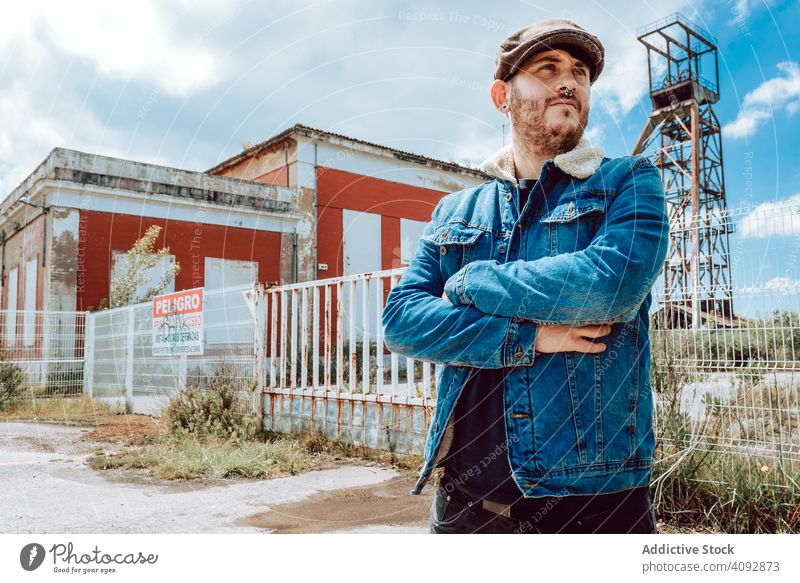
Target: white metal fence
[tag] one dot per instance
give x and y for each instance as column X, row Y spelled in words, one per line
column 736, row 376
column 120, row 365
column 41, row 353
column 328, row 368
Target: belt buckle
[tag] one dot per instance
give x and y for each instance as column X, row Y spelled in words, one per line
column 497, row 507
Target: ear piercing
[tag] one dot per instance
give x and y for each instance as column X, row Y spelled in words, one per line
column 504, row 107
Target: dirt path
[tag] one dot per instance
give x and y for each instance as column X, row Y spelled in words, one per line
column 46, row 487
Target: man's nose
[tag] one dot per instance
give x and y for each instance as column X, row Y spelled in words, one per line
column 568, row 82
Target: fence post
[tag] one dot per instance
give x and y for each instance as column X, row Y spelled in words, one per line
column 129, row 361
column 88, row 354
column 260, row 333
column 182, row 366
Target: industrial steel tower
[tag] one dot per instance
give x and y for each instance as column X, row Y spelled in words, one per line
column 682, row 137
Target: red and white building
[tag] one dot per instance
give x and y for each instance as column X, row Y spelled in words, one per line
column 305, row 204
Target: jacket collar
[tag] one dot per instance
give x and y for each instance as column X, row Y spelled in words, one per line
column 581, row 162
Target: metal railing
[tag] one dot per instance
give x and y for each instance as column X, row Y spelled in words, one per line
column 328, row 369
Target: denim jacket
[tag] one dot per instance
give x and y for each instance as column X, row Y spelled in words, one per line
column 576, row 423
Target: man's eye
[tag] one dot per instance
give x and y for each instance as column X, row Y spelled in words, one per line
column 551, row 66
column 581, row 71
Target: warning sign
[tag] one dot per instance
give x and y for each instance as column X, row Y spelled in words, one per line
column 178, row 323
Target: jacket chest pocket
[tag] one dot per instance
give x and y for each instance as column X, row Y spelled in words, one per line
column 458, row 245
column 573, row 223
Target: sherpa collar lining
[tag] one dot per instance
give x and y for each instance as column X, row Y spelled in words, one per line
column 581, row 162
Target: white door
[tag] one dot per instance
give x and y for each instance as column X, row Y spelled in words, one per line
column 226, row 317
column 362, row 253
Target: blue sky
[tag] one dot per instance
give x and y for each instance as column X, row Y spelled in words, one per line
column 187, row 83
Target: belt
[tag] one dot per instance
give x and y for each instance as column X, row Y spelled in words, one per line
column 496, row 507
column 490, row 505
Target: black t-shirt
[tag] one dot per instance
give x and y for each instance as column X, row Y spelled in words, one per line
column 477, row 459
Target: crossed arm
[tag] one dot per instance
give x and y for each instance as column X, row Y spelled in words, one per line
column 495, row 308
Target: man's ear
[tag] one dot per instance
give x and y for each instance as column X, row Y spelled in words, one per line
column 499, row 92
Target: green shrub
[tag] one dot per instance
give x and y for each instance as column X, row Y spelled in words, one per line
column 211, row 408
column 11, row 380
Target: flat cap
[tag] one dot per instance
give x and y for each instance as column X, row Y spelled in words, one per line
column 554, row 33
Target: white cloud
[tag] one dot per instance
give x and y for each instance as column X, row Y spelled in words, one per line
column 142, row 43
column 781, row 92
column 57, row 57
column 772, row 218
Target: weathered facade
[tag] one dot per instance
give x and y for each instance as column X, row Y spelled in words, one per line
column 63, row 227
column 364, row 203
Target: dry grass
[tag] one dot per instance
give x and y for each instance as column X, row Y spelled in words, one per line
column 701, row 482
column 188, row 457
column 79, row 410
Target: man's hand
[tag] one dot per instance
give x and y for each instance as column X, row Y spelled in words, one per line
column 558, row 338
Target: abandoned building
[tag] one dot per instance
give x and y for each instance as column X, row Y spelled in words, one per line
column 305, row 204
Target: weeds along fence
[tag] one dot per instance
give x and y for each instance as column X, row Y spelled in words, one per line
column 121, row 367
column 41, row 354
column 726, row 381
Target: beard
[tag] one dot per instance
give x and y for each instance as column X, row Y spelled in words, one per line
column 537, row 135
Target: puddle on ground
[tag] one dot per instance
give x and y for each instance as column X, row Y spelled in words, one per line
column 386, row 503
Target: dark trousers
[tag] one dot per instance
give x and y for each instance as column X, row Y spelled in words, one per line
column 629, row 511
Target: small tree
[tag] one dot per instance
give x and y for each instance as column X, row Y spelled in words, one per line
column 140, row 258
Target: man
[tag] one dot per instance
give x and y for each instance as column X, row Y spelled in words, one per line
column 534, row 289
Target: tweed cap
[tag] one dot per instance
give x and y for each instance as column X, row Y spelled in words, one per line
column 554, row 33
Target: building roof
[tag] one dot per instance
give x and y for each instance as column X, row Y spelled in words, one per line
column 64, row 166
column 318, row 134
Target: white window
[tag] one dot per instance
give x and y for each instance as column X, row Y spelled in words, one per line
column 11, row 307
column 154, row 275
column 29, row 317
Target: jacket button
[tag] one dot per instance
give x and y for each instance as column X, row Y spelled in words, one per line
column 436, row 427
column 442, row 250
column 508, row 196
column 501, row 249
column 570, row 207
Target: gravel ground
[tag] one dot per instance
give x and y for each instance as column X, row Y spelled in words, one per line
column 46, row 487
